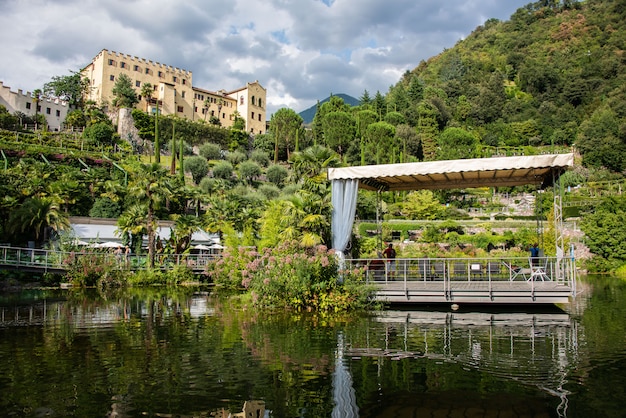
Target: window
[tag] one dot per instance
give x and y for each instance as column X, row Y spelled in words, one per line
column 259, row 117
column 195, row 109
column 174, row 79
column 38, row 108
column 136, row 68
column 123, row 64
column 160, row 74
column 112, row 77
column 260, row 103
column 241, row 100
column 148, row 71
column 111, row 62
column 180, row 109
column 253, row 101
column 223, row 115
column 252, row 115
column 137, row 83
column 184, row 82
column 28, row 105
column 48, row 110
column 58, row 113
column 182, row 94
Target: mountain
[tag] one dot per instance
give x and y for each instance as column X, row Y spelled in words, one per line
column 554, row 75
column 309, row 113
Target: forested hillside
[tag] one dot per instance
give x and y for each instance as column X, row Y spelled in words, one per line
column 553, row 75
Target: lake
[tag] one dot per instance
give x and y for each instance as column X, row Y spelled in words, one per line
column 187, row 352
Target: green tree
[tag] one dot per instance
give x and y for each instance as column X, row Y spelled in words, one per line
column 101, row 133
column 223, row 170
column 604, row 229
column 75, row 119
column 380, row 146
column 36, row 216
column 146, row 92
column 422, row 204
column 198, row 167
column 210, row 151
column 276, row 174
column 339, row 131
column 249, row 171
column 71, row 88
column 286, row 127
column 132, row 226
column 184, row 227
column 456, row 143
column 150, row 186
column 124, row 94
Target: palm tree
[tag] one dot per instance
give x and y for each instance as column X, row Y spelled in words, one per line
column 37, row 93
column 184, row 227
column 132, row 225
column 150, row 186
column 207, row 105
column 37, row 215
column 313, row 161
column 146, row 92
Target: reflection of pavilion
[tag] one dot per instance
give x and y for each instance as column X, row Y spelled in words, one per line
column 533, row 349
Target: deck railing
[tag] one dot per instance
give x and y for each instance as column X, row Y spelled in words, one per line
column 51, row 260
column 449, row 270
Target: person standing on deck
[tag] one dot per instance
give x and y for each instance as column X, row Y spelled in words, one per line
column 390, row 255
column 534, row 254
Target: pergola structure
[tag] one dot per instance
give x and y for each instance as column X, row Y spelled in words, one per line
column 538, row 170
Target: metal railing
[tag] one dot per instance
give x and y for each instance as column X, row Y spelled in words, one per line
column 39, row 259
column 479, row 270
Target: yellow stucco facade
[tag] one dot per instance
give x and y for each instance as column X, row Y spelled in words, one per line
column 173, row 87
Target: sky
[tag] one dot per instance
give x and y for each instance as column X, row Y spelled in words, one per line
column 299, row 50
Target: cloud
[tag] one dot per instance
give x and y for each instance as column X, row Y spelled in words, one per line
column 301, row 51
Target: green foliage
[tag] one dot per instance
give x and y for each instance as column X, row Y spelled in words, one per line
column 104, row 207
column 422, row 204
column 339, row 131
column 71, row 88
column 604, row 229
column 124, row 94
column 198, row 167
column 210, row 151
column 286, row 126
column 456, row 143
column 236, row 157
column 287, row 276
column 249, row 171
column 260, row 157
column 101, row 133
column 277, row 174
column 223, row 170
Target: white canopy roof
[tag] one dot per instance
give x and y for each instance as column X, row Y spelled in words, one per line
column 457, row 174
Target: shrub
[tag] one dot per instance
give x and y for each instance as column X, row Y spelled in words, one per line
column 210, row 151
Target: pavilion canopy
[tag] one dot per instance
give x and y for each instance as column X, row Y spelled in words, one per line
column 538, row 170
column 458, row 174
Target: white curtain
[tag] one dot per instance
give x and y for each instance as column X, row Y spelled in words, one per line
column 344, row 196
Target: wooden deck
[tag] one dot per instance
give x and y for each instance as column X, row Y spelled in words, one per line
column 496, row 292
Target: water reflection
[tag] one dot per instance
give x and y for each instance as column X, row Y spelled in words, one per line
column 535, row 350
column 164, row 352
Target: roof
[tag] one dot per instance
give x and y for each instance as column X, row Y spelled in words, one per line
column 458, row 174
column 99, row 230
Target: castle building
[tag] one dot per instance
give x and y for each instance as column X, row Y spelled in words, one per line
column 173, row 91
column 54, row 109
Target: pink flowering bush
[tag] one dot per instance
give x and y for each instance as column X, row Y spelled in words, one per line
column 230, row 270
column 289, row 276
